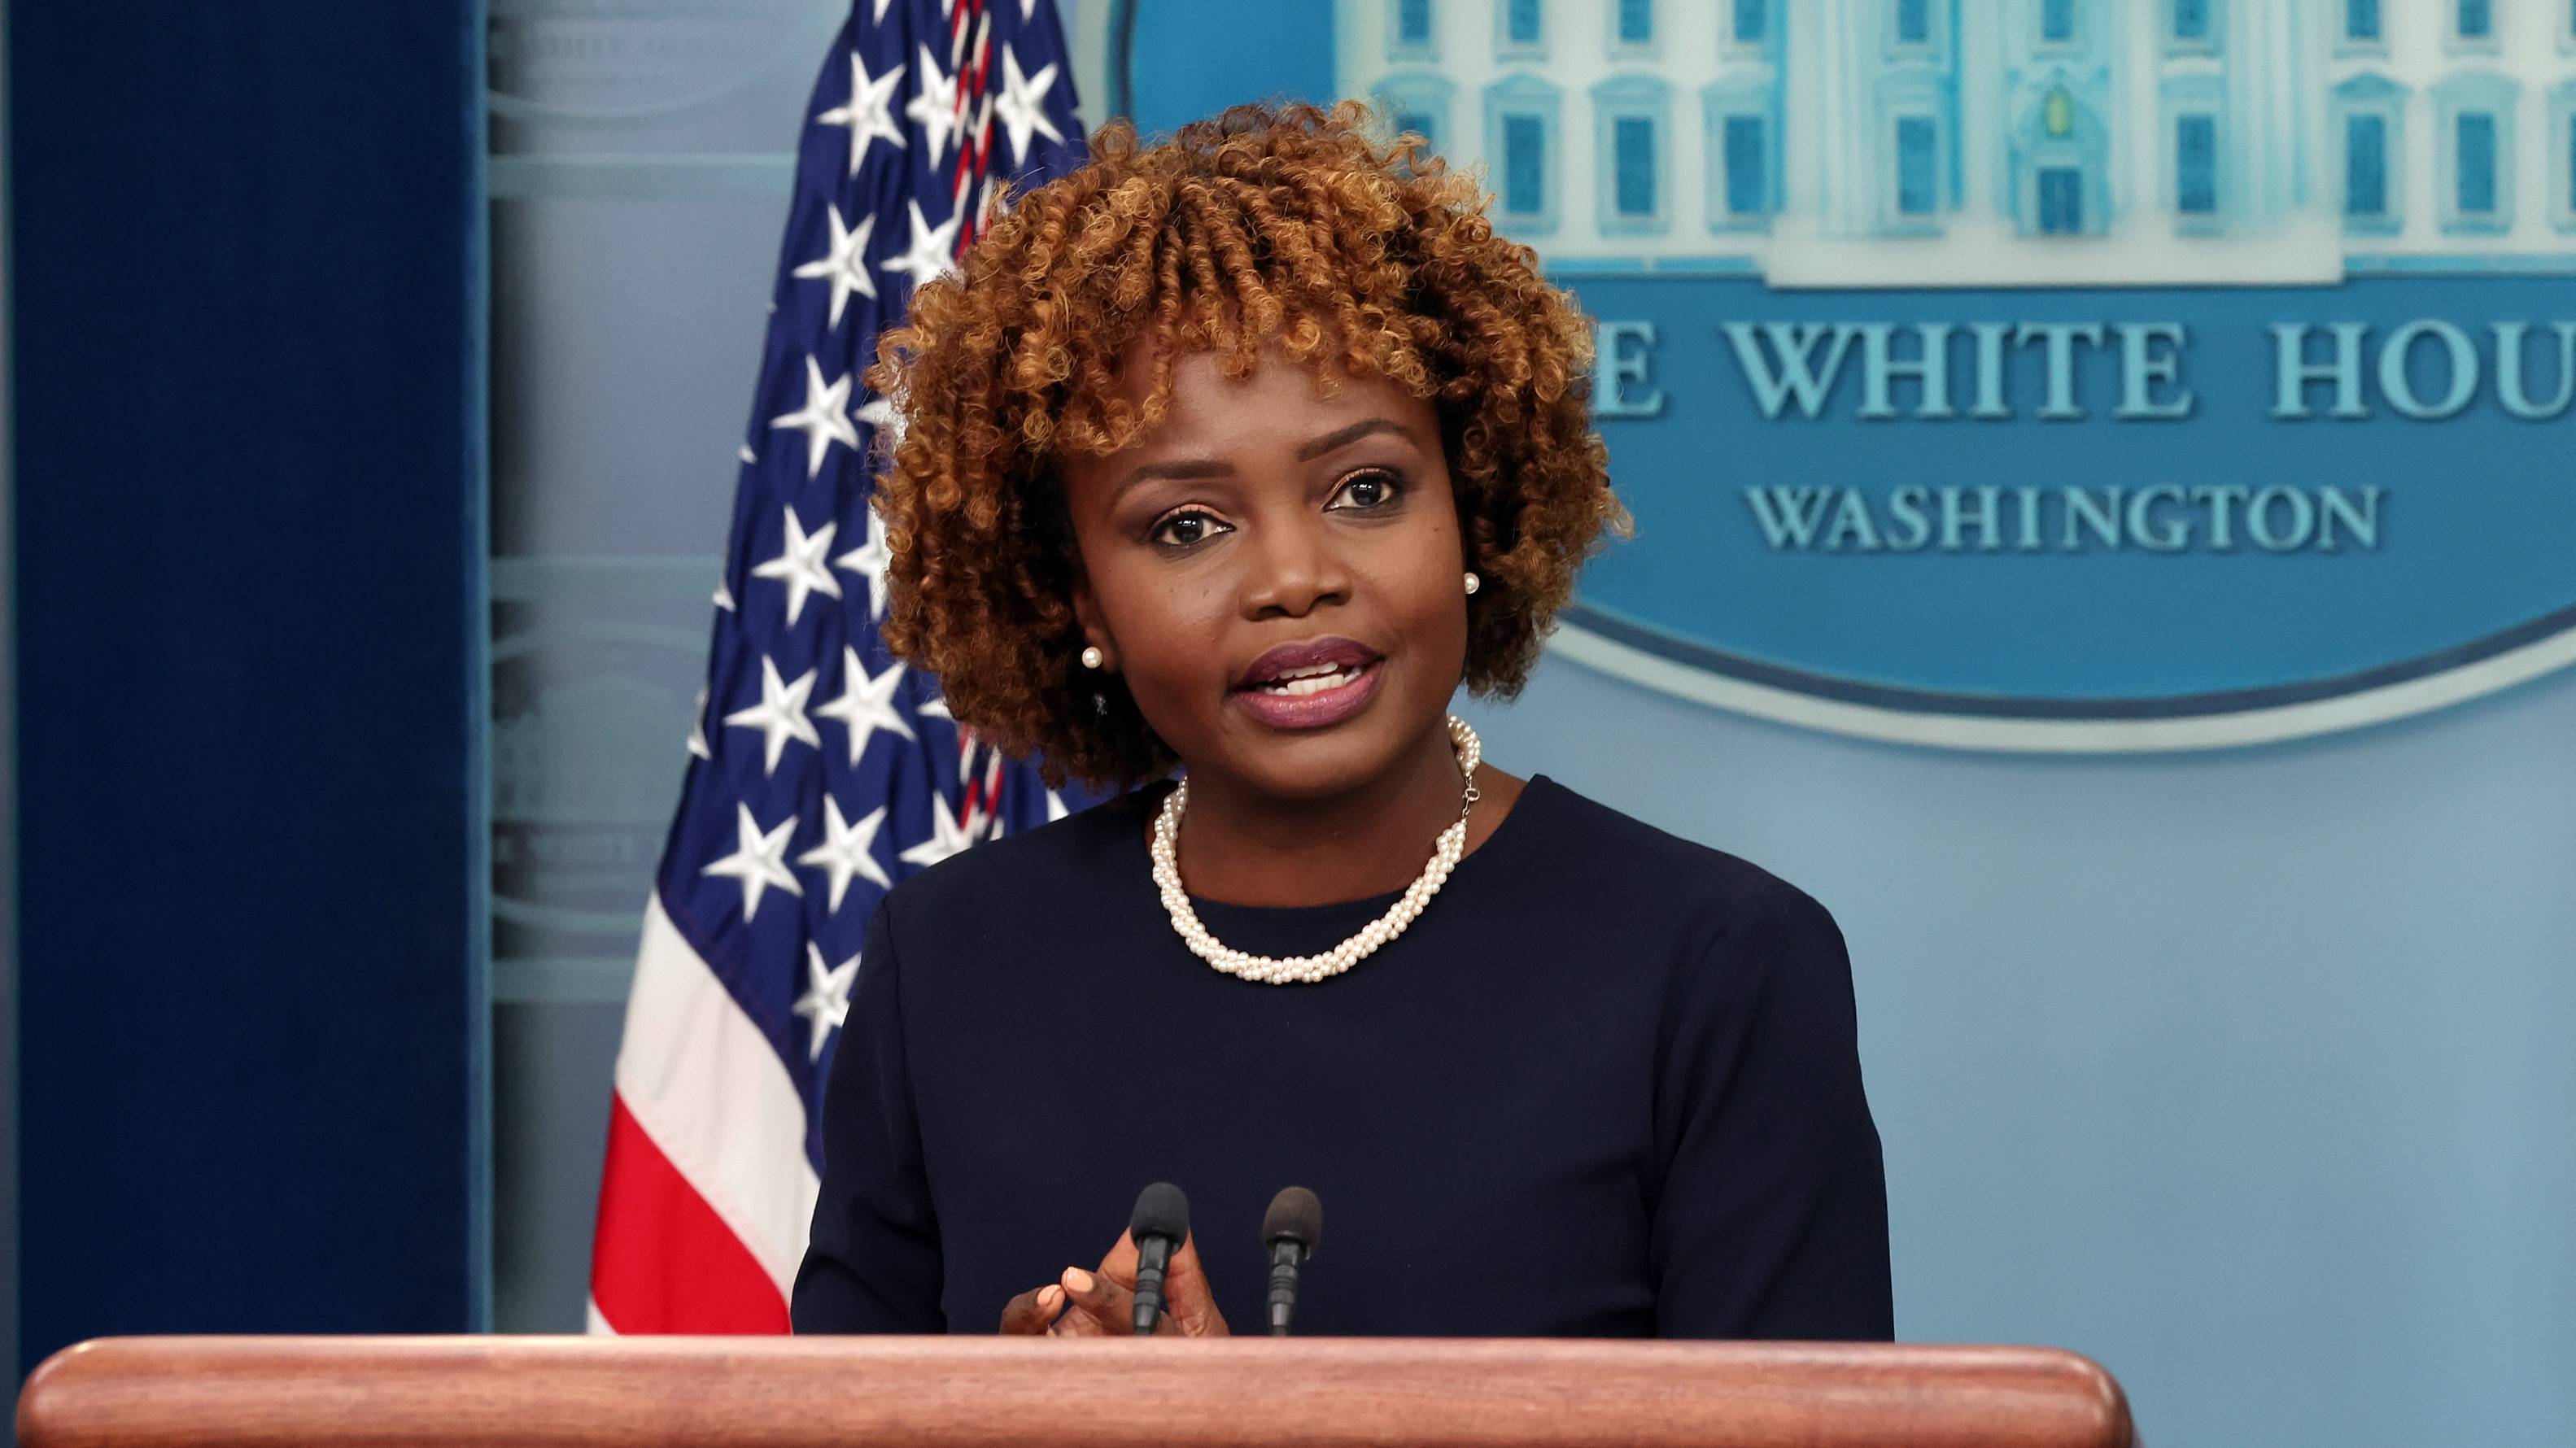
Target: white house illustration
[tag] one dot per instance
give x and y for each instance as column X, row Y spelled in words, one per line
column 1997, row 142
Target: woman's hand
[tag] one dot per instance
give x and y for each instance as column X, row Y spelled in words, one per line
column 1102, row 1303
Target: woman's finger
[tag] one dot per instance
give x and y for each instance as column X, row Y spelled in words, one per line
column 1189, row 1307
column 1029, row 1313
column 1188, row 1302
column 1098, row 1306
column 1120, row 1265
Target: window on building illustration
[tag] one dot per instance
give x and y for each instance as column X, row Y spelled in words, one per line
column 2476, row 158
column 2057, row 20
column 2061, row 200
column 1524, row 165
column 1747, row 187
column 1752, row 21
column 2057, row 113
column 1420, row 124
column 2196, row 165
column 1520, row 22
column 2476, row 19
column 2361, row 19
column 2191, row 20
column 1413, row 22
column 1914, row 22
column 1636, row 21
column 1632, row 160
column 1916, row 166
column 2365, row 165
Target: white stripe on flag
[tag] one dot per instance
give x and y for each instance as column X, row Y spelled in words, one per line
column 706, row 1085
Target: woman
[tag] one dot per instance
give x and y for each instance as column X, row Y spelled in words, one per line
column 1238, row 454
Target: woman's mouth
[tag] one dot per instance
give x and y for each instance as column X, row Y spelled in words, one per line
column 1306, row 686
column 1314, row 679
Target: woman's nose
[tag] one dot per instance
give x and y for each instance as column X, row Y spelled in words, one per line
column 1291, row 569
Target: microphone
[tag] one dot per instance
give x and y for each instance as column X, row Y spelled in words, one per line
column 1290, row 1227
column 1160, row 1224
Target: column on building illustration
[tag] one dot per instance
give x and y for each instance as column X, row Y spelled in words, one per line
column 1826, row 144
column 2268, row 129
column 2562, row 132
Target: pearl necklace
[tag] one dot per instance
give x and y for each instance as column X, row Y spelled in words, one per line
column 1299, row 969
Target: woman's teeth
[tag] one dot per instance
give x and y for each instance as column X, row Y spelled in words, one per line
column 1313, row 680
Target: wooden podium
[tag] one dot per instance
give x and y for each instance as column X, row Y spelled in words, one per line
column 895, row 1392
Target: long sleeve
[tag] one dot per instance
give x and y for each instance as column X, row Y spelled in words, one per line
column 872, row 1261
column 1770, row 1215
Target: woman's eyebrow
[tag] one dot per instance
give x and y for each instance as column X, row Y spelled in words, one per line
column 1189, row 468
column 1352, row 433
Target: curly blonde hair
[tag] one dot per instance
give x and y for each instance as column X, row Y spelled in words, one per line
column 1286, row 224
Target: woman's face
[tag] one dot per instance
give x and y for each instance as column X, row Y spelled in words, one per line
column 1276, row 574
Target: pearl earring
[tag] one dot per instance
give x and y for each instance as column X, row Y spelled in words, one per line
column 1474, row 583
column 1091, row 658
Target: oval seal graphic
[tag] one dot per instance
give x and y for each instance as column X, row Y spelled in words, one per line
column 1998, row 377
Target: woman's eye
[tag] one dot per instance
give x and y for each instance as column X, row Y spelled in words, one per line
column 1184, row 529
column 1368, row 490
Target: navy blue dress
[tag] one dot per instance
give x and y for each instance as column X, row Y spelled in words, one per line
column 1606, row 1085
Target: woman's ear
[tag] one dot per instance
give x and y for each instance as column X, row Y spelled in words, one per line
column 1086, row 611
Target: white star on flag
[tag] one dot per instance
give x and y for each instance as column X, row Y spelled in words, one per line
column 931, row 254
column 724, row 595
column 848, row 850
column 800, row 564
column 758, row 861
column 826, row 1001
column 869, row 112
column 870, row 560
column 935, row 107
column 698, row 728
column 822, row 418
column 866, row 705
column 780, row 714
column 1022, row 104
column 845, row 264
column 947, row 838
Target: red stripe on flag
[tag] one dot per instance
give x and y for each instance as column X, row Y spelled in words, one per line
column 662, row 1260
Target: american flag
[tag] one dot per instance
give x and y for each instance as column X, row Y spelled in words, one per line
column 823, row 770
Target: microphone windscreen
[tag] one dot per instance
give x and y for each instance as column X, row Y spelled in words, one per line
column 1161, row 1211
column 1296, row 1215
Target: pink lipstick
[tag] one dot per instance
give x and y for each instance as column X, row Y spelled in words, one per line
column 1309, row 685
